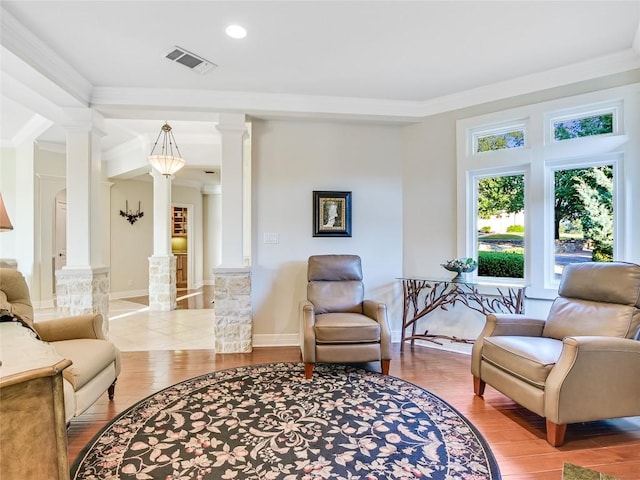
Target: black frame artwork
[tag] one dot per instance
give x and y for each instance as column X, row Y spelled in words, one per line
column 331, row 214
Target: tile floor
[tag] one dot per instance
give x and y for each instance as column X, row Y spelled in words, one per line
column 132, row 327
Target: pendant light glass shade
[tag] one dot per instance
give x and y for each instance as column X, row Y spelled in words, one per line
column 165, row 161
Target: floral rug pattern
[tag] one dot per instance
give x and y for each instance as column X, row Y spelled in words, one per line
column 268, row 422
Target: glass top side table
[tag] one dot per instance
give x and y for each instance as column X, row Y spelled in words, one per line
column 422, row 296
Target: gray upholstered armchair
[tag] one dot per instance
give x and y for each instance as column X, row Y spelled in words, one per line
column 582, row 363
column 337, row 325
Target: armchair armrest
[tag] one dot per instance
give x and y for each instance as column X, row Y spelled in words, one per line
column 512, row 324
column 307, row 333
column 595, row 377
column 68, row 328
column 378, row 312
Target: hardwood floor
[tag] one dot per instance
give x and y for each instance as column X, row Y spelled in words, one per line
column 516, row 436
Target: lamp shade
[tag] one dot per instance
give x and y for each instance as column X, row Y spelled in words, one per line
column 166, row 164
column 5, row 223
column 165, row 161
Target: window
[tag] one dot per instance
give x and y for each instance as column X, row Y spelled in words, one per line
column 500, row 217
column 583, row 127
column 583, row 220
column 530, row 202
column 498, row 139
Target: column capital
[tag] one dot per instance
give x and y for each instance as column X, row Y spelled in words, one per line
column 82, row 119
column 232, row 123
column 211, row 189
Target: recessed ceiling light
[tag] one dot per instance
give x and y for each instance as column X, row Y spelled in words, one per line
column 236, row 31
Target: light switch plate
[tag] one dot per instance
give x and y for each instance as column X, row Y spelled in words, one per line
column 271, row 238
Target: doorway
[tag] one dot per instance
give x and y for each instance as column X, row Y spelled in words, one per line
column 59, row 236
column 182, row 243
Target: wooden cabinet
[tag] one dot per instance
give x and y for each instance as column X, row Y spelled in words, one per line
column 178, row 221
column 181, row 270
column 179, row 244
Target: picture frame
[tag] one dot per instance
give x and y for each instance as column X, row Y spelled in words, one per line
column 331, row 214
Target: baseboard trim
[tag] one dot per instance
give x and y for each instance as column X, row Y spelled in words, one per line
column 271, row 340
column 128, row 294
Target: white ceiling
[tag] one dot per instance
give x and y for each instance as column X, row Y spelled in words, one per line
column 376, row 60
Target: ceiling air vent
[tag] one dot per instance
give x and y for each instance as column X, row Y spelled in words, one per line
column 190, row 60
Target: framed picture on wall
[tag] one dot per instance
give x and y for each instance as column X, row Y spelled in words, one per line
column 331, row 214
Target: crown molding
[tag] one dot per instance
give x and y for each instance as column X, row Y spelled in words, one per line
column 254, row 104
column 620, row 62
column 16, row 38
column 268, row 105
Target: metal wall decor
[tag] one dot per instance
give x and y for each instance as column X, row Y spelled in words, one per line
column 131, row 216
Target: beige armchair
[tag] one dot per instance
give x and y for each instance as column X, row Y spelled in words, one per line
column 581, row 364
column 337, row 325
column 95, row 360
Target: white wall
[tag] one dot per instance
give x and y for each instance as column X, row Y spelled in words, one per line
column 131, row 245
column 291, row 159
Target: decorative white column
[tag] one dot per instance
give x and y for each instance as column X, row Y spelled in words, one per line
column 162, row 265
column 82, row 286
column 232, row 280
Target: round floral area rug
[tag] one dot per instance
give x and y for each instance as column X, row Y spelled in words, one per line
column 268, row 422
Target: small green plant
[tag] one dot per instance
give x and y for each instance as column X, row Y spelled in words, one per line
column 461, row 265
column 515, row 229
column 485, row 229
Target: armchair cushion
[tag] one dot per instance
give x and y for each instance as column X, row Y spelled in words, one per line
column 96, row 355
column 528, row 358
column 346, row 328
column 602, row 282
column 570, row 316
column 343, row 296
column 335, row 283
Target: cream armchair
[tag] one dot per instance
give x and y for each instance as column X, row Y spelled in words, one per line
column 95, row 360
column 337, row 325
column 581, row 364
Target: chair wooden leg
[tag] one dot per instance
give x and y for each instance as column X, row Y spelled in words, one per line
column 112, row 389
column 478, row 386
column 385, row 366
column 308, row 370
column 555, row 433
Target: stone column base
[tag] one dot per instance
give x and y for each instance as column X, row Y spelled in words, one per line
column 162, row 283
column 81, row 291
column 232, row 308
